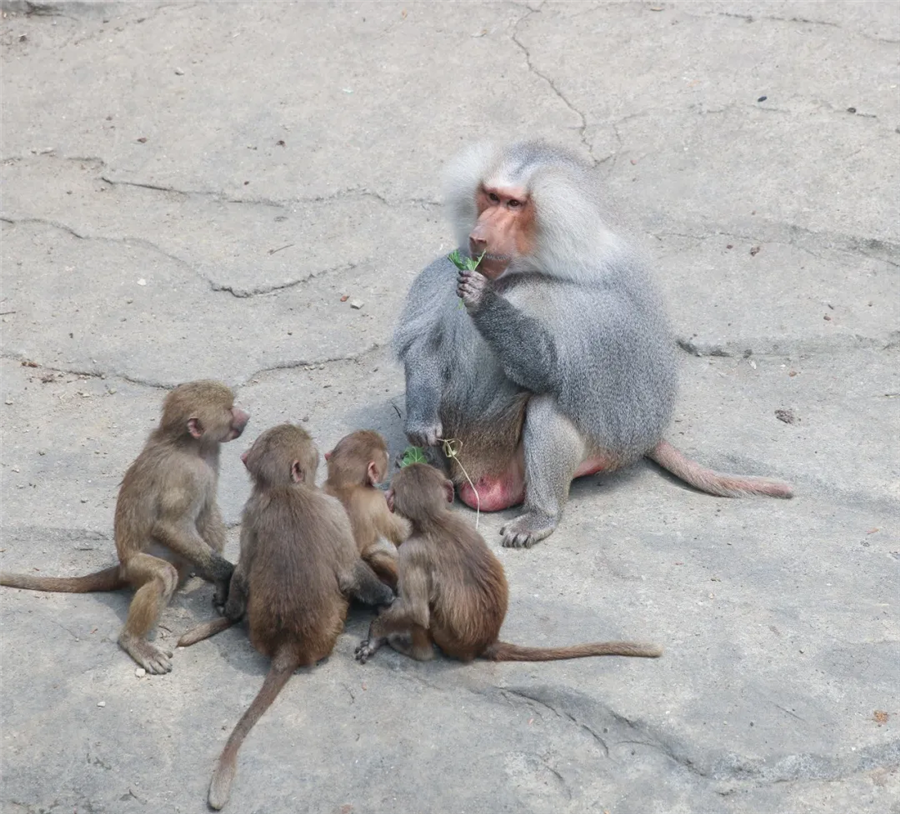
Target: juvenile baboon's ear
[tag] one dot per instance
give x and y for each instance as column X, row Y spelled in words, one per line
column 296, row 472
column 372, row 473
column 195, row 428
column 449, row 491
column 328, row 455
column 389, row 497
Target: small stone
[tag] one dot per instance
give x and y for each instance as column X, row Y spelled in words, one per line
column 179, row 72
column 140, row 672
column 84, row 500
column 787, row 416
column 128, row 300
column 101, row 703
column 142, row 281
column 357, row 304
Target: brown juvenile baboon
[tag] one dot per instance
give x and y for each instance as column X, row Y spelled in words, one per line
column 561, row 363
column 356, row 466
column 167, row 522
column 297, row 568
column 453, row 590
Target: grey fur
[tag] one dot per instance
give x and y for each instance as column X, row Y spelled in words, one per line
column 577, row 323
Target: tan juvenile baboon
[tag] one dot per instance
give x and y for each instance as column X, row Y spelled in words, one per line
column 167, row 522
column 561, row 364
column 297, row 568
column 356, row 466
column 453, row 591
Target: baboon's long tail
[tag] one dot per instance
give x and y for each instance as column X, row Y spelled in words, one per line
column 109, row 579
column 205, row 631
column 711, row 482
column 503, row 651
column 282, row 666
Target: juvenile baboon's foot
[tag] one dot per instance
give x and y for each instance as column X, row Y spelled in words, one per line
column 153, row 659
column 528, row 529
column 367, row 648
column 403, row 643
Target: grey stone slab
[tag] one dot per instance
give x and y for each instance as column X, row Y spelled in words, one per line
column 777, row 691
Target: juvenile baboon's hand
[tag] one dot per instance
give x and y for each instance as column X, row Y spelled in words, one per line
column 471, row 288
column 221, row 596
column 424, row 435
column 365, row 650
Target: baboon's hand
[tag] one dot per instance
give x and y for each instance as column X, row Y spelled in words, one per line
column 471, row 288
column 424, row 434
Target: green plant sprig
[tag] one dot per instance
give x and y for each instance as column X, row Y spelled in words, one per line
column 412, row 455
column 465, row 263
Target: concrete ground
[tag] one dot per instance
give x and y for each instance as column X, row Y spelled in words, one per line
column 192, row 189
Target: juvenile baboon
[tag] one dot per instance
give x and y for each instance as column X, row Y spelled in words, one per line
column 297, row 568
column 561, row 363
column 167, row 522
column 356, row 466
column 453, row 590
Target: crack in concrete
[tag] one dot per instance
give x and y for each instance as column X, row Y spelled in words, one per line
column 249, row 293
column 51, row 153
column 582, row 129
column 88, row 374
column 779, row 348
column 302, row 363
column 273, row 203
column 729, row 768
column 799, row 237
column 567, row 716
column 110, row 375
column 216, row 287
column 749, row 18
column 125, row 241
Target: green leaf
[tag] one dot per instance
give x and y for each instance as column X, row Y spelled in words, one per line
column 464, row 263
column 412, row 455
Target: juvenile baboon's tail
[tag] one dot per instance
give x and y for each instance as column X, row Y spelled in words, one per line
column 205, row 631
column 109, row 579
column 280, row 671
column 711, row 482
column 503, row 651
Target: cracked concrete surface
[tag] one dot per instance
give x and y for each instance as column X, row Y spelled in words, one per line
column 201, row 189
